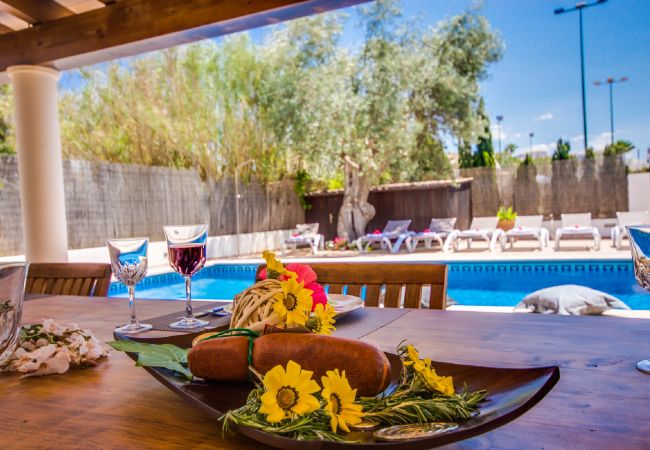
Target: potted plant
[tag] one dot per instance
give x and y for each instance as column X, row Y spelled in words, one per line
column 506, row 218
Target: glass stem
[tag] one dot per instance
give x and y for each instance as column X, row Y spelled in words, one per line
column 132, row 320
column 188, row 295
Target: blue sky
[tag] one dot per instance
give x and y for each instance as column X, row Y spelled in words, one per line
column 536, row 87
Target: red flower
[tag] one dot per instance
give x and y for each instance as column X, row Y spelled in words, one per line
column 426, row 230
column 304, row 273
column 318, row 296
column 377, row 231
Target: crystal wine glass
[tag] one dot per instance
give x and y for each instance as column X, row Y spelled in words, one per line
column 186, row 246
column 640, row 243
column 129, row 265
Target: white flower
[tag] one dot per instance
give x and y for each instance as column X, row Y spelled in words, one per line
column 31, row 361
column 73, row 347
column 50, row 326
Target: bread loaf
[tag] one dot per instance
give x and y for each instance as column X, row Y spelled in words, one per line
column 226, row 359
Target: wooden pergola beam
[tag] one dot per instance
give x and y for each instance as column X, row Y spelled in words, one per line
column 127, row 28
column 40, row 10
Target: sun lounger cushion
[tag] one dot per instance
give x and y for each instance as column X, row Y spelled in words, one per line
column 570, row 299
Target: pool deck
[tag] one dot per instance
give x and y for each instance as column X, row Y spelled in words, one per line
column 522, row 251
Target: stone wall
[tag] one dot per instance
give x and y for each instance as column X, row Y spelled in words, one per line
column 112, row 200
column 598, row 186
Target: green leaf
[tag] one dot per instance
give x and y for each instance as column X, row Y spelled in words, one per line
column 166, row 356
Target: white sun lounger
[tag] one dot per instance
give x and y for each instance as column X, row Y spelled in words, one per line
column 305, row 234
column 529, row 226
column 577, row 225
column 438, row 231
column 619, row 232
column 395, row 230
column 480, row 228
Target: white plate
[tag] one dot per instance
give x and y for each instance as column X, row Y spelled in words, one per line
column 342, row 304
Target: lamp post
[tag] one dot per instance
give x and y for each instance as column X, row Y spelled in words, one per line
column 245, row 163
column 579, row 7
column 610, row 82
column 499, row 119
column 530, row 136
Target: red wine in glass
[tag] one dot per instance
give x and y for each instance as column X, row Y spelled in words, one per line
column 186, row 247
column 187, row 259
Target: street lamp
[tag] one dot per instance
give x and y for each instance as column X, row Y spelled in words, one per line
column 530, row 136
column 611, row 81
column 245, row 163
column 499, row 119
column 579, row 7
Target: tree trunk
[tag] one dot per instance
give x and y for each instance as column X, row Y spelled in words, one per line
column 355, row 212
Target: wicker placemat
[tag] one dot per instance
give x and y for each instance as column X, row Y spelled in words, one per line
column 161, row 323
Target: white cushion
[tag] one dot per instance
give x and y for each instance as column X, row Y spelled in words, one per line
column 570, row 299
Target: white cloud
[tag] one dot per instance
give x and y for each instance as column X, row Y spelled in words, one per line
column 597, row 142
column 544, row 117
column 537, row 150
column 494, row 129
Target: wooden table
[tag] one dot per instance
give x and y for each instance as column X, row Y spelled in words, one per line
column 601, row 400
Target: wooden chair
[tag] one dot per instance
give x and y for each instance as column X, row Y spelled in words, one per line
column 86, row 279
column 391, row 277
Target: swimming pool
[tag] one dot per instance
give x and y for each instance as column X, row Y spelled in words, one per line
column 470, row 283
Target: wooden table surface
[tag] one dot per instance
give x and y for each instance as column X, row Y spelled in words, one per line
column 601, row 400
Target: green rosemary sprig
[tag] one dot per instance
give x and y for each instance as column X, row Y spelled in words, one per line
column 312, row 426
column 405, row 407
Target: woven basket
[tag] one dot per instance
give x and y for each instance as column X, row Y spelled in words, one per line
column 253, row 308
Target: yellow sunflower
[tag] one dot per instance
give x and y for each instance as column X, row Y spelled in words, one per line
column 435, row 382
column 288, row 393
column 322, row 322
column 412, row 354
column 339, row 401
column 274, row 267
column 294, row 303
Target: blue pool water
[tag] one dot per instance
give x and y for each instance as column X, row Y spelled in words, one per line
column 470, row 283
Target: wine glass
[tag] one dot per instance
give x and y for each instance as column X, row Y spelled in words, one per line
column 129, row 265
column 640, row 243
column 186, row 246
column 12, row 292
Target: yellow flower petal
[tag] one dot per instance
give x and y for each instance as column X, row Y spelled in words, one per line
column 339, row 401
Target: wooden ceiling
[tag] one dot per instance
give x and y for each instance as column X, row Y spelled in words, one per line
column 66, row 34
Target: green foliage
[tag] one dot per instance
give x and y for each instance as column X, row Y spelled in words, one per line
column 589, row 153
column 528, row 160
column 506, row 214
column 619, row 147
column 301, row 187
column 297, row 101
column 484, row 155
column 432, row 161
column 506, row 158
column 562, row 150
column 166, row 356
column 6, row 135
column 336, row 182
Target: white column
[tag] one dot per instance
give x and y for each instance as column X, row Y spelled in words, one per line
column 40, row 166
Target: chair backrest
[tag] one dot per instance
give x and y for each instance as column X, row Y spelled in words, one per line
column 401, row 284
column 446, row 224
column 529, row 221
column 89, row 279
column 633, row 218
column 397, row 226
column 307, row 229
column 484, row 223
column 580, row 220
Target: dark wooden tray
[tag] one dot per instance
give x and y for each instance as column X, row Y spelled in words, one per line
column 511, row 392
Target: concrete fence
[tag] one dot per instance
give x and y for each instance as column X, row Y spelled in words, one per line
column 106, row 201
